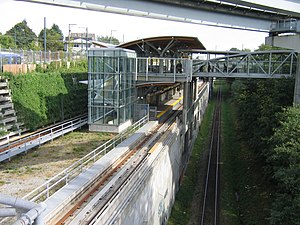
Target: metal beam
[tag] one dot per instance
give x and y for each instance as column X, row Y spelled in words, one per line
column 288, row 7
column 167, row 11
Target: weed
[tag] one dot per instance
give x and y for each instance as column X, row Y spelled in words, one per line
column 78, row 149
column 35, row 154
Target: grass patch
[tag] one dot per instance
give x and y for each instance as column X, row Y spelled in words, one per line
column 232, row 165
column 79, row 150
column 181, row 211
column 35, row 154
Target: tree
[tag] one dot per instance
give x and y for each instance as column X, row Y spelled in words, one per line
column 285, row 160
column 235, row 49
column 24, row 37
column 7, row 41
column 54, row 39
column 107, row 39
column 57, row 30
column 264, row 47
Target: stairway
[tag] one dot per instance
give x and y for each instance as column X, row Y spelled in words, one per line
column 8, row 118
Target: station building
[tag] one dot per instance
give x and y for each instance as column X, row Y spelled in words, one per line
column 123, row 81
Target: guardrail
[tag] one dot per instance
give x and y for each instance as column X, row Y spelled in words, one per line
column 45, row 190
column 23, row 145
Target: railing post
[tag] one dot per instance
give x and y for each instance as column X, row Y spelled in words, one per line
column 297, row 83
column 80, row 167
column 292, row 61
column 147, row 69
column 66, row 178
column 47, row 190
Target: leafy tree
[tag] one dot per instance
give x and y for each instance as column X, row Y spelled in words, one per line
column 259, row 101
column 107, row 39
column 264, row 47
column 57, row 30
column 54, row 39
column 6, row 41
column 234, row 49
column 24, row 37
column 285, row 160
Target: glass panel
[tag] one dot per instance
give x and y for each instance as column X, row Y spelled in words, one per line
column 111, row 83
column 110, row 115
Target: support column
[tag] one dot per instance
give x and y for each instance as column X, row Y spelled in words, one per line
column 211, row 87
column 185, row 105
column 297, row 83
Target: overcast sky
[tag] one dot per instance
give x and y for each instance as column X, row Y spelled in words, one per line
column 125, row 28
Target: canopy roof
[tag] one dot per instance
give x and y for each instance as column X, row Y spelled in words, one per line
column 163, row 46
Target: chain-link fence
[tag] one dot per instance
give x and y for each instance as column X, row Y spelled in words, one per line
column 40, row 57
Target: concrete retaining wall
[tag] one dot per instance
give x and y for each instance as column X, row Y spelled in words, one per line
column 154, row 196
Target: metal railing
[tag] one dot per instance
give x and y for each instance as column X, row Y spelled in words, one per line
column 171, row 68
column 45, row 190
column 285, row 26
column 24, row 144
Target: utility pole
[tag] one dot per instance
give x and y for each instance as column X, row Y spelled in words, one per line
column 70, row 24
column 45, row 40
column 86, row 40
column 111, row 31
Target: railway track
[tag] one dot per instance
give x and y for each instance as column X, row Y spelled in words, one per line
column 211, row 199
column 101, row 193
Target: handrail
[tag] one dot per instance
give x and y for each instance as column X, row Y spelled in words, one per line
column 43, row 131
column 24, row 144
column 48, row 188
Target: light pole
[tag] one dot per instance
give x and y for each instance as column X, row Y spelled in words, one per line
column 70, row 24
column 86, row 40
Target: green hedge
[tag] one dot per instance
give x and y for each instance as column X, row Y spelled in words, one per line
column 44, row 98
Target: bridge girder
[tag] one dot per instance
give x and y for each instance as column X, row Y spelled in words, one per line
column 246, row 15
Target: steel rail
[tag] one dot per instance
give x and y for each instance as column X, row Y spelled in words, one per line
column 217, row 181
column 213, row 149
column 125, row 169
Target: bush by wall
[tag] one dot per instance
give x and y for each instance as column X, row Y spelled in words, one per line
column 44, row 98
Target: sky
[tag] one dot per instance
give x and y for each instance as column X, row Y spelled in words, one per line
column 125, row 28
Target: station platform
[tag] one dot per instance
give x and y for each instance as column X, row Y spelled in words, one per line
column 169, row 105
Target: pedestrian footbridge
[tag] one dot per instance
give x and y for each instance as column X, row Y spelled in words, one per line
column 259, row 64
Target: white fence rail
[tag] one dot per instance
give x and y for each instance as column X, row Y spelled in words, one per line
column 45, row 190
column 31, row 141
